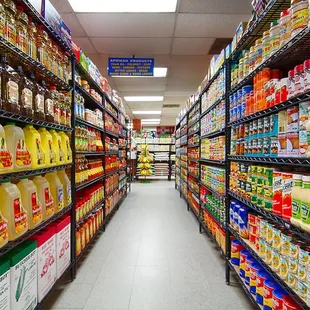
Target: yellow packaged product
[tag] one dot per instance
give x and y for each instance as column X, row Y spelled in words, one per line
column 57, row 190
column 48, row 147
column 45, row 197
column 66, row 147
column 66, row 186
column 11, row 208
column 30, row 202
column 34, row 145
column 58, row 147
column 17, row 146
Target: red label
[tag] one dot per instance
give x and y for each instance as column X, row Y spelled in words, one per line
column 4, row 231
column 49, row 202
column 20, row 217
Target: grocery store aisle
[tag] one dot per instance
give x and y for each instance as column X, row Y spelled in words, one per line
column 151, row 257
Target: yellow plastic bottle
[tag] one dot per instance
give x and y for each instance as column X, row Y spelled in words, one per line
column 12, row 209
column 66, row 186
column 66, row 147
column 6, row 157
column 47, row 145
column 57, row 143
column 4, row 231
column 17, row 146
column 30, row 202
column 57, row 190
column 34, row 145
column 45, row 197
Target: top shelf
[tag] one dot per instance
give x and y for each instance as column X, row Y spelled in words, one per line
column 262, row 23
column 38, row 18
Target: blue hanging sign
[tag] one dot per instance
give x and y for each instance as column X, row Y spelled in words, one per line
column 131, row 66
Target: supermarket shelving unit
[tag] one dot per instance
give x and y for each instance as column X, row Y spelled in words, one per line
column 169, row 160
column 292, row 53
column 17, row 57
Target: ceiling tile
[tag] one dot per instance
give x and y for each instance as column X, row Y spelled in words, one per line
column 191, row 25
column 191, row 46
column 74, row 24
column 62, row 6
column 132, row 46
column 215, row 6
column 85, row 45
column 124, row 25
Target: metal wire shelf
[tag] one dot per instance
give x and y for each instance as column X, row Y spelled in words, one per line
column 193, row 132
column 88, row 183
column 212, row 161
column 90, row 153
column 83, row 122
column 99, row 205
column 219, row 223
column 272, row 273
column 111, row 134
column 13, row 244
column 111, row 114
column 190, row 146
column 193, row 175
column 216, row 103
column 287, row 161
column 213, row 134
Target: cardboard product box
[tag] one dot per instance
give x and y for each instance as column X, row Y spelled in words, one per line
column 277, row 188
column 240, row 30
column 54, row 19
column 46, row 266
column 282, row 145
column 84, row 61
column 287, row 200
column 23, row 276
column 293, row 119
column 303, row 143
column 303, row 114
column 63, row 245
column 76, row 50
column 292, row 144
column 5, row 285
column 282, row 122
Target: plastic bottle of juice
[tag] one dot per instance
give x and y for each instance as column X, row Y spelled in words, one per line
column 30, row 202
column 296, row 196
column 47, row 145
column 17, row 146
column 305, row 203
column 66, row 147
column 34, row 145
column 66, row 186
column 12, row 209
column 6, row 157
column 45, row 197
column 57, row 190
column 4, row 231
column 57, row 144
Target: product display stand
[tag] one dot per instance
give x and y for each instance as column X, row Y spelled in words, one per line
column 286, row 58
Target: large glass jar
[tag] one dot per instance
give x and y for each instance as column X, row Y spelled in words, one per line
column 62, row 109
column 32, row 39
column 38, row 103
column 54, row 56
column 274, row 36
column 49, row 105
column 26, row 88
column 10, row 91
column 68, row 110
column 266, row 45
column 10, row 23
column 22, row 29
column 246, row 64
column 2, row 20
column 65, row 66
column 258, row 52
column 59, row 64
column 42, row 38
column 55, row 95
column 285, row 27
column 48, row 62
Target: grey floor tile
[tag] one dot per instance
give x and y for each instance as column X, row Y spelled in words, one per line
column 152, row 275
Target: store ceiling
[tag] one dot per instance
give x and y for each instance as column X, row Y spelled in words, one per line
column 179, row 41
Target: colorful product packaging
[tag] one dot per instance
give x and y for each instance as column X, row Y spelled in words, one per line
column 5, row 285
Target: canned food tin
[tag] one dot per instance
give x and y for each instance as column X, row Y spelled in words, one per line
column 292, row 281
column 236, row 247
column 268, row 254
column 293, row 265
column 243, row 256
column 285, row 243
column 275, row 261
column 249, row 260
column 302, row 289
column 254, row 268
column 269, row 287
column 261, row 277
column 290, row 304
column 283, row 267
column 278, row 298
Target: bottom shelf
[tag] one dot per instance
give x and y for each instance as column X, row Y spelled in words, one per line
column 251, row 296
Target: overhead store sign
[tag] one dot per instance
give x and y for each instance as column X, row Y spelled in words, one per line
column 131, row 66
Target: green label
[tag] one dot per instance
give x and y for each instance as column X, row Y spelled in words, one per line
column 305, row 212
column 296, row 210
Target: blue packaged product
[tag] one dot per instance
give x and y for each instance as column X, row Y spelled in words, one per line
column 274, row 124
column 249, row 260
column 254, row 268
column 235, row 112
column 243, row 222
column 236, row 216
column 231, row 212
column 231, row 101
column 236, row 247
column 246, row 90
column 269, row 287
column 243, row 107
column 243, row 256
column 278, row 297
column 261, row 277
column 239, row 110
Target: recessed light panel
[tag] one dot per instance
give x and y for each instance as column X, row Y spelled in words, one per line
column 123, row 6
column 146, row 112
column 144, row 98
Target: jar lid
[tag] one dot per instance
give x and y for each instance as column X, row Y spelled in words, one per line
column 299, row 68
column 307, row 63
column 258, row 41
column 266, row 33
column 274, row 23
column 291, row 73
column 297, row 177
column 306, row 178
column 285, row 13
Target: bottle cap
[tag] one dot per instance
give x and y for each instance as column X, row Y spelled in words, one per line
column 297, row 177
column 306, row 178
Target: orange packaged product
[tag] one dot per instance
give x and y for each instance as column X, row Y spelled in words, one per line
column 78, row 242
column 82, row 231
column 86, row 227
column 10, row 23
column 266, row 75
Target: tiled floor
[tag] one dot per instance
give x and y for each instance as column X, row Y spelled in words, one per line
column 151, row 257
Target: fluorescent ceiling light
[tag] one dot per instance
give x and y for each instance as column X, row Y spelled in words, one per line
column 146, row 112
column 158, row 72
column 151, row 120
column 150, row 124
column 139, row 6
column 144, row 98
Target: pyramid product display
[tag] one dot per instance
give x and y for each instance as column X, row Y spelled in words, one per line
column 145, row 161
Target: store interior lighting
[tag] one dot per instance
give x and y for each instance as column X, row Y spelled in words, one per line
column 144, row 98
column 146, row 112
